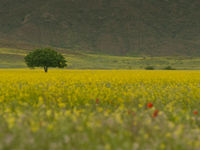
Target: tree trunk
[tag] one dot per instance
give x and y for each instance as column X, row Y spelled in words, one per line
column 45, row 68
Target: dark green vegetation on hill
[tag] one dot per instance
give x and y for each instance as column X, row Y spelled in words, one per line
column 116, row 27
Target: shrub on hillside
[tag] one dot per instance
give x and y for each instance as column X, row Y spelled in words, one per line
column 169, row 68
column 149, row 68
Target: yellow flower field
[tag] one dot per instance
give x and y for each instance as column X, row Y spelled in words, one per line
column 99, row 110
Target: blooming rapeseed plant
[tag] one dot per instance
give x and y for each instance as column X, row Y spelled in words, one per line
column 87, row 109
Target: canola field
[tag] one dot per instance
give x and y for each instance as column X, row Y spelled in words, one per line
column 99, row 110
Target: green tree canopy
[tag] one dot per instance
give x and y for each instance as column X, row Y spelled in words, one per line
column 45, row 58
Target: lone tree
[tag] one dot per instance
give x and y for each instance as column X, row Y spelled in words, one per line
column 45, row 58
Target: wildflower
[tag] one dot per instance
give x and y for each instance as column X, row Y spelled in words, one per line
column 195, row 112
column 155, row 114
column 61, row 105
column 130, row 112
column 149, row 105
column 97, row 101
column 41, row 123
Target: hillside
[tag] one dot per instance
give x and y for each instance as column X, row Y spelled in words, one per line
column 114, row 27
column 14, row 58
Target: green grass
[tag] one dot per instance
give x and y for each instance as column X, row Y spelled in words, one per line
column 14, row 58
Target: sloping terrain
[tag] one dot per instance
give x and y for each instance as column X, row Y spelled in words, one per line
column 116, row 27
column 14, row 58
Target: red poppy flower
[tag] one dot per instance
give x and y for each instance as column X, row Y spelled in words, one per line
column 149, row 105
column 195, row 112
column 97, row 101
column 130, row 112
column 155, row 114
